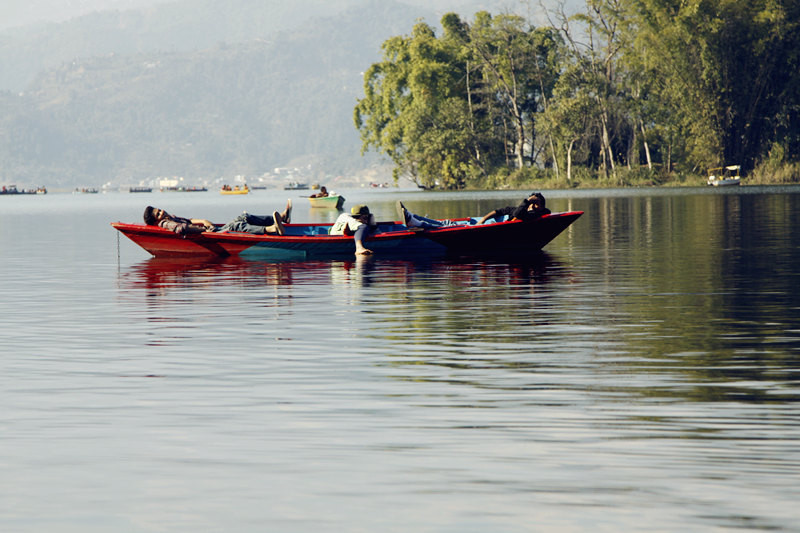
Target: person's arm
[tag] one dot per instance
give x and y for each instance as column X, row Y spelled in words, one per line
column 487, row 216
column 202, row 222
column 521, row 210
column 359, row 236
column 182, row 226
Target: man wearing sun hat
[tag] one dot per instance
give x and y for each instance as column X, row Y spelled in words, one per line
column 359, row 223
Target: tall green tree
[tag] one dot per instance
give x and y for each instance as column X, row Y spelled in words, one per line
column 570, row 117
column 727, row 69
column 596, row 38
column 414, row 110
column 457, row 108
column 550, row 53
column 502, row 48
column 511, row 70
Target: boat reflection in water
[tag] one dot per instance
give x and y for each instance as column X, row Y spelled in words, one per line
column 314, row 306
column 470, row 280
column 395, row 308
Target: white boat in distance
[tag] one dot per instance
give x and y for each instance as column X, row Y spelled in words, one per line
column 722, row 176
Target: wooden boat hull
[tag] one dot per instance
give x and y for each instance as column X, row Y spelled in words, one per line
column 392, row 238
column 331, row 202
column 238, row 191
column 513, row 237
column 724, row 182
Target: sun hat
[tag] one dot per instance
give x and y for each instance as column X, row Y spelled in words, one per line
column 359, row 210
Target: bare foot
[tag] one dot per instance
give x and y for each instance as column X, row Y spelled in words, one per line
column 363, row 251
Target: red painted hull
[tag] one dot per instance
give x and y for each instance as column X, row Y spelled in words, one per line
column 513, row 237
column 312, row 240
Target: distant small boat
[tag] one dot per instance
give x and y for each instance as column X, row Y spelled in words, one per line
column 140, row 189
column 184, row 189
column 295, row 186
column 12, row 189
column 226, row 189
column 724, row 176
column 334, row 201
column 86, row 190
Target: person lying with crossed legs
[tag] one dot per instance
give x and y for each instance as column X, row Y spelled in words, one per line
column 529, row 208
column 245, row 223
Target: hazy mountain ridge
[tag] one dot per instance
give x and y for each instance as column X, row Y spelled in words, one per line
column 183, row 26
column 231, row 109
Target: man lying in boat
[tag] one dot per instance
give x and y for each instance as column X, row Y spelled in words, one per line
column 529, row 208
column 359, row 223
column 245, row 223
column 154, row 216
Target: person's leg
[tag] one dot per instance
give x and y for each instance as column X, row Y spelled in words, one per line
column 278, row 227
column 235, row 224
column 286, row 216
column 428, row 223
column 416, row 221
column 271, row 224
column 247, row 223
column 257, row 220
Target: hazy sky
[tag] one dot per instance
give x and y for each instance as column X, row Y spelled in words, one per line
column 22, row 12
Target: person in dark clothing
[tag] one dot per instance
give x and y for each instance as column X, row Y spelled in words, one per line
column 154, row 216
column 529, row 208
column 323, row 192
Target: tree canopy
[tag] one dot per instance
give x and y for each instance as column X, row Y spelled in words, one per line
column 660, row 85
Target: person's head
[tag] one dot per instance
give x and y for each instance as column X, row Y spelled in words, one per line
column 323, row 189
column 360, row 212
column 152, row 215
column 536, row 201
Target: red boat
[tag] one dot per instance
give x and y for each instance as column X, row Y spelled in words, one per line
column 312, row 240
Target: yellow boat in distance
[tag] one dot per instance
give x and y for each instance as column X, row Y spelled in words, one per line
column 722, row 176
column 227, row 189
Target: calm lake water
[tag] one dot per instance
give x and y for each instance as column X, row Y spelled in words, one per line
column 642, row 374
